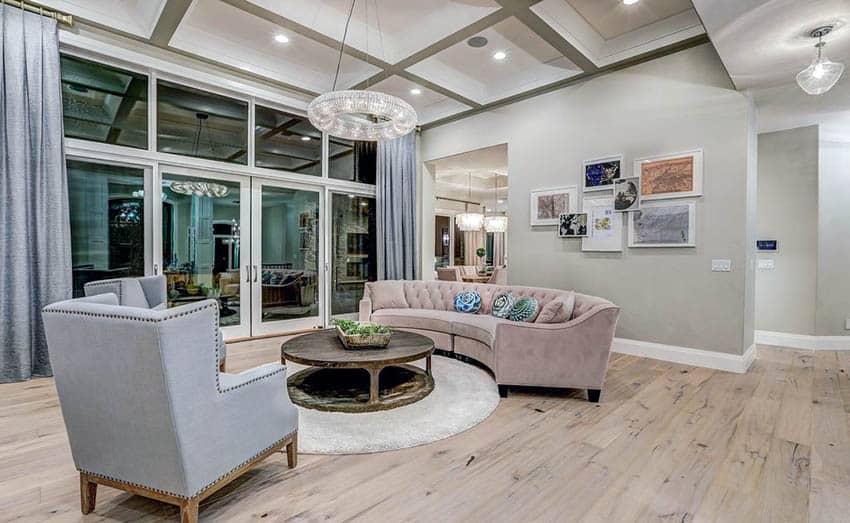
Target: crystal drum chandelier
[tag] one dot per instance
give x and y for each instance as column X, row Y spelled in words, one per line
column 498, row 222
column 822, row 74
column 357, row 114
column 469, row 221
column 211, row 190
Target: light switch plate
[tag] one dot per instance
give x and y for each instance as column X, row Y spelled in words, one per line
column 721, row 265
column 766, row 264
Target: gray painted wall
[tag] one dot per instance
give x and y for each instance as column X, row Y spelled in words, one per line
column 788, row 212
column 833, row 289
column 678, row 102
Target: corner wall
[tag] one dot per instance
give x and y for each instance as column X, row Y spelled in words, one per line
column 675, row 103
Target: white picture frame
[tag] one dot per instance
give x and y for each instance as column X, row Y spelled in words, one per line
column 635, row 206
column 604, row 241
column 563, row 227
column 618, row 158
column 647, row 183
column 551, row 217
column 636, row 219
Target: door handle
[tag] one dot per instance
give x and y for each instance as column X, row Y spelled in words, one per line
column 255, row 274
column 247, row 274
column 155, row 269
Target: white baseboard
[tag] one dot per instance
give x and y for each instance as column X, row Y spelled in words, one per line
column 687, row 356
column 802, row 341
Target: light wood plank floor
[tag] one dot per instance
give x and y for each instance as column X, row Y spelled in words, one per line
column 668, row 442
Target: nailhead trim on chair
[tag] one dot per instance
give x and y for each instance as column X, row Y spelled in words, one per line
column 253, row 380
column 132, row 318
column 205, row 487
column 109, row 283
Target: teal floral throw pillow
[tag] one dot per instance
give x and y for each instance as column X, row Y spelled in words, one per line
column 502, row 304
column 525, row 309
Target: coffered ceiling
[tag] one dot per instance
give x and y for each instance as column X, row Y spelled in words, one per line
column 416, row 49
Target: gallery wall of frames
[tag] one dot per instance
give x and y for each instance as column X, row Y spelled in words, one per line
column 655, row 202
column 233, row 198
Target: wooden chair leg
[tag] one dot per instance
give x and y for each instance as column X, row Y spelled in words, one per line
column 189, row 510
column 222, row 365
column 292, row 452
column 88, row 494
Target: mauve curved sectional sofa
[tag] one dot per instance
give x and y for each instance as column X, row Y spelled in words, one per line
column 570, row 354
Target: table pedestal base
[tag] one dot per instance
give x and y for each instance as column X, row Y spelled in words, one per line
column 359, row 390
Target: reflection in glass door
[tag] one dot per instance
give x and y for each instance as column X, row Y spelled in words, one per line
column 286, row 270
column 110, row 230
column 353, row 251
column 202, row 243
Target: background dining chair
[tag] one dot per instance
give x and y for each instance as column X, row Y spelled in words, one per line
column 499, row 276
column 147, row 409
column 148, row 292
column 449, row 274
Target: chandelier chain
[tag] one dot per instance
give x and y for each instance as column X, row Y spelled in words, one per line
column 342, row 43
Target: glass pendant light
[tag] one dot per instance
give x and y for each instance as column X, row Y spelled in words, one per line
column 498, row 222
column 822, row 74
column 469, row 221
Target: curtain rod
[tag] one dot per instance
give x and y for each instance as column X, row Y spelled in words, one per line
column 32, row 7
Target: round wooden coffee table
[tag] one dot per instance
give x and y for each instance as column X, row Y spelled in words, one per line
column 336, row 382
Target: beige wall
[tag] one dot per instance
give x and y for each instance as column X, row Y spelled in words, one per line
column 788, row 212
column 678, row 102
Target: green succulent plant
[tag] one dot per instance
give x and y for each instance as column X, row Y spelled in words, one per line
column 355, row 328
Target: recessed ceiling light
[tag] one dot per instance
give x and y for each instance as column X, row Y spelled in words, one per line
column 630, row 2
column 305, row 138
column 500, row 55
column 416, row 90
column 477, row 41
column 281, row 39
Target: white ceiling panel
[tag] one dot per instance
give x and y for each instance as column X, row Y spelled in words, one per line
column 764, row 42
column 136, row 17
column 475, row 74
column 396, row 28
column 220, row 32
column 429, row 104
column 613, row 18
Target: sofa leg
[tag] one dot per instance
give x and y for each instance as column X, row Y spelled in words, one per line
column 593, row 395
column 503, row 391
column 222, row 366
column 88, row 494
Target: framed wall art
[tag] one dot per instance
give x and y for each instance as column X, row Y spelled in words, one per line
column 604, row 226
column 548, row 204
column 676, row 175
column 663, row 224
column 573, row 225
column 599, row 174
column 627, row 194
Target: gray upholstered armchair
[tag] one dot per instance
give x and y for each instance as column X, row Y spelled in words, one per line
column 149, row 292
column 147, row 409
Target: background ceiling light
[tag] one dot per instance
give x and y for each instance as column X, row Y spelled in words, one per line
column 630, row 2
column 281, row 39
column 477, row 41
column 305, row 138
column 500, row 55
column 822, row 74
column 416, row 91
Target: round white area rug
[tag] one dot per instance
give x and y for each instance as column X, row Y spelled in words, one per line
column 463, row 397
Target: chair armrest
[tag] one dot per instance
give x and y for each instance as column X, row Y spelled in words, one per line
column 231, row 381
column 571, row 354
column 365, row 309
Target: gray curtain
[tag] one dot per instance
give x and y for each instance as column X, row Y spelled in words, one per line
column 396, row 195
column 35, row 237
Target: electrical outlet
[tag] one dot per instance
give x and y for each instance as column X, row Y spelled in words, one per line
column 721, row 265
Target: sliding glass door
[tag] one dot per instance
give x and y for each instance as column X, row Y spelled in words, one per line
column 352, row 251
column 204, row 251
column 111, row 225
column 287, row 264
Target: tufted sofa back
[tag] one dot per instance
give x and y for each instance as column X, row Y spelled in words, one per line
column 440, row 295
